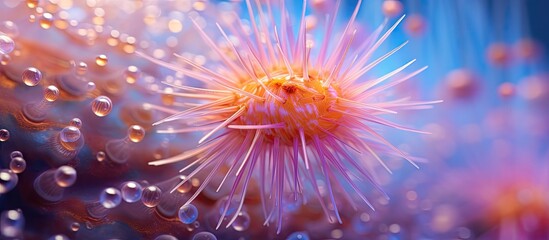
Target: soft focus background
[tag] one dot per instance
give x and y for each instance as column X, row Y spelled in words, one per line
column 484, row 169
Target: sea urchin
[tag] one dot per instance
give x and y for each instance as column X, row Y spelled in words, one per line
column 286, row 110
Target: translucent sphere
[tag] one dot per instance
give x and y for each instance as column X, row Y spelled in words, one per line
column 8, row 180
column 11, row 223
column 75, row 226
column 31, row 76
column 18, row 164
column 101, row 106
column 110, row 197
column 46, row 20
column 188, row 213
column 185, row 187
column 131, row 191
column 9, row 28
column 51, row 93
column 132, row 74
column 65, row 176
column 151, row 196
column 4, row 135
column 76, row 122
column 59, row 237
column 6, row 44
column 100, row 156
column 15, row 154
column 136, row 133
column 298, row 236
column 221, row 205
column 101, row 60
column 165, row 237
column 90, row 86
column 242, row 222
column 204, row 236
column 70, row 134
column 80, row 68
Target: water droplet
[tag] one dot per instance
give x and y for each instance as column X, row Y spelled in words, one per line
column 188, row 214
column 31, row 76
column 32, row 3
column 298, row 236
column 9, row 28
column 65, row 176
column 18, row 164
column 70, row 134
column 46, row 20
column 204, row 236
column 76, row 122
column 242, row 222
column 165, row 237
column 6, row 44
column 131, row 191
column 136, row 133
column 4, row 135
column 151, row 196
column 101, row 106
column 75, row 226
column 100, row 156
column 185, row 187
column 59, row 237
column 101, row 60
column 221, row 205
column 132, row 74
column 51, row 93
column 11, row 223
column 80, row 68
column 15, row 154
column 8, row 180
column 90, row 86
column 110, row 197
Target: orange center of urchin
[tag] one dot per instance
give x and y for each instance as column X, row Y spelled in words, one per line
column 305, row 106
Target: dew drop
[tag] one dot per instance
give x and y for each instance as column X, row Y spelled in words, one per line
column 76, row 122
column 298, row 236
column 46, row 20
column 6, row 44
column 4, row 135
column 136, row 133
column 90, row 86
column 12, row 223
column 242, row 222
column 65, row 176
column 185, row 187
column 70, row 134
column 188, row 214
column 80, row 68
column 110, row 197
column 101, row 106
column 204, row 236
column 100, row 156
column 18, row 164
column 132, row 74
column 31, row 76
column 75, row 226
column 101, row 60
column 131, row 191
column 32, row 3
column 151, row 196
column 8, row 180
column 51, row 93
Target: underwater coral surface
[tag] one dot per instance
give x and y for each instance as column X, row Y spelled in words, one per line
column 274, row 119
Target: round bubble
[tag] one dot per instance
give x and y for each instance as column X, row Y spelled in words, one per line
column 188, row 213
column 31, row 76
column 8, row 180
column 11, row 223
column 18, row 164
column 204, row 236
column 151, row 196
column 298, row 236
column 101, row 106
column 131, row 191
column 110, row 197
column 65, row 176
